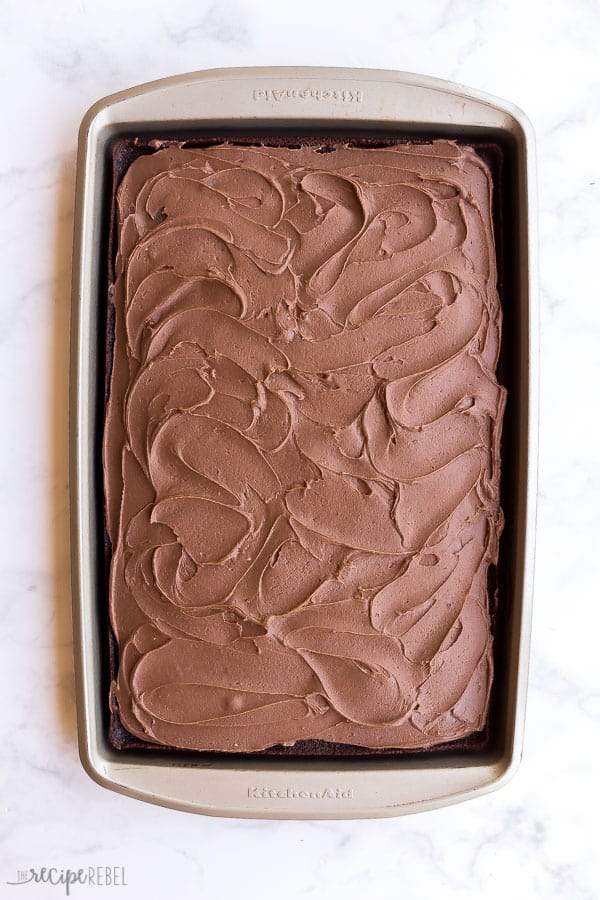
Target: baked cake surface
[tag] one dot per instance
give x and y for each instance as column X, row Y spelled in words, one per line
column 301, row 449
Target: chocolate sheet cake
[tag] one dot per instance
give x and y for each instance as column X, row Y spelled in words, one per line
column 301, row 448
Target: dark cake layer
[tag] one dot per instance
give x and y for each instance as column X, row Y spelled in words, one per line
column 302, row 446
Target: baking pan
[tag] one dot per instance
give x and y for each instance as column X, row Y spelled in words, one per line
column 355, row 102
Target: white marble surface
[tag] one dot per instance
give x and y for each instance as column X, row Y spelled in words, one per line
column 533, row 839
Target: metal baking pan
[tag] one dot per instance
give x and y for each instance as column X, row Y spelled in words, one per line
column 323, row 101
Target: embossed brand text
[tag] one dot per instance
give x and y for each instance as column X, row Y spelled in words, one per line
column 344, row 95
column 329, row 793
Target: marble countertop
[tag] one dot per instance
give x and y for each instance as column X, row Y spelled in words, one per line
column 535, row 837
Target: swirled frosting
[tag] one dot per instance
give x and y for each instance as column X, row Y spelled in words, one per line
column 301, row 448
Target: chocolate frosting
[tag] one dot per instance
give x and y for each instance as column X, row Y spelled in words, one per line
column 301, row 450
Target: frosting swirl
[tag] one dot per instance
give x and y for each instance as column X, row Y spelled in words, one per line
column 301, row 447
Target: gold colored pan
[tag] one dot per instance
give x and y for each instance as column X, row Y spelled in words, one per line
column 318, row 101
